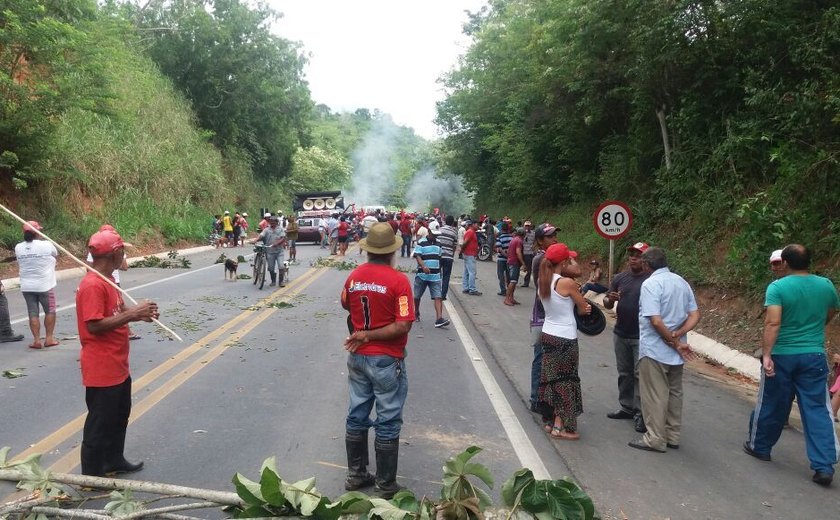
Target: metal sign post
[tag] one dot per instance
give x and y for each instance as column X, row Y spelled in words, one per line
column 612, row 220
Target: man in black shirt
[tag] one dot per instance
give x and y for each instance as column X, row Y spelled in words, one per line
column 625, row 290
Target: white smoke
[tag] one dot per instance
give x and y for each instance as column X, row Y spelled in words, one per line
column 375, row 176
column 429, row 190
column 374, row 171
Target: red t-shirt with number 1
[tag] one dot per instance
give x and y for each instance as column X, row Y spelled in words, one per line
column 376, row 296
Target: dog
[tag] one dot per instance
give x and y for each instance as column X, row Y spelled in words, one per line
column 230, row 268
column 222, row 241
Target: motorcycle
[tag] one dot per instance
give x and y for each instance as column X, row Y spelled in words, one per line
column 485, row 250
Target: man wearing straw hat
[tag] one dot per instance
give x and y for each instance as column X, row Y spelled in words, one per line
column 381, row 308
column 103, row 321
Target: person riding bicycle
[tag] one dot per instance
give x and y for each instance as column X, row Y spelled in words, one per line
column 274, row 239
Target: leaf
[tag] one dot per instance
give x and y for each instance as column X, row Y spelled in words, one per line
column 248, row 490
column 388, row 511
column 123, row 503
column 354, row 502
column 13, row 374
column 515, row 484
column 270, row 487
column 4, row 454
column 480, row 471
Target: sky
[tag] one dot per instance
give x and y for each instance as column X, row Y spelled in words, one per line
column 385, row 54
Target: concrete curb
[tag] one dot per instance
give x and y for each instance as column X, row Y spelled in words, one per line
column 73, row 272
column 718, row 352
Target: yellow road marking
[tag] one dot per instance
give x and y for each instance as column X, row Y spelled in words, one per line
column 62, row 434
column 69, row 461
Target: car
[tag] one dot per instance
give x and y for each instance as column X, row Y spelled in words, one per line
column 308, row 230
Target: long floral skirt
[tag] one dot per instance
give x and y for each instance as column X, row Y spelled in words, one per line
column 559, row 392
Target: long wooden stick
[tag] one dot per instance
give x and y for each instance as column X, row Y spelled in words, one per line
column 87, row 267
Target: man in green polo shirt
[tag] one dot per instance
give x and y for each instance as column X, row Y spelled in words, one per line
column 794, row 362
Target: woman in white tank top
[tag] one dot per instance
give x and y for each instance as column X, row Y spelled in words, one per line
column 559, row 395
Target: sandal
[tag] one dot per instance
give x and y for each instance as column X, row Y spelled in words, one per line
column 569, row 436
column 556, row 432
column 134, row 336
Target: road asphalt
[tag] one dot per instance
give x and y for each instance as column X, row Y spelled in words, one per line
column 708, row 477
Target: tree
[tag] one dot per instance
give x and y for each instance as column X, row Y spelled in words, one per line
column 246, row 85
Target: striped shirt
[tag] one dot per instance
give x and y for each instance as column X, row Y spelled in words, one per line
column 429, row 252
column 447, row 240
column 502, row 243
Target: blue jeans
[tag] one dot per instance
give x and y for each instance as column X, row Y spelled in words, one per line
column 807, row 376
column 536, row 364
column 272, row 260
column 405, row 248
column 379, row 380
column 445, row 273
column 469, row 274
column 502, row 273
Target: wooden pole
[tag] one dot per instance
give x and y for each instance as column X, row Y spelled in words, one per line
column 87, row 267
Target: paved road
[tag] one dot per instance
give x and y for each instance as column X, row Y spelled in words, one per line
column 255, row 378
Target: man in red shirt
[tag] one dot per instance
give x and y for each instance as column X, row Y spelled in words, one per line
column 405, row 233
column 470, row 249
column 103, row 321
column 381, row 308
column 515, row 261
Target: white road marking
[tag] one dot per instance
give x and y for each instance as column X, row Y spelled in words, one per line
column 162, row 280
column 522, row 445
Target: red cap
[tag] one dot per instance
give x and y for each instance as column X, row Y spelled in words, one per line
column 102, row 243
column 556, row 253
column 638, row 246
column 32, row 225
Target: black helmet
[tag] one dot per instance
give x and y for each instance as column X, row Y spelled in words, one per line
column 593, row 323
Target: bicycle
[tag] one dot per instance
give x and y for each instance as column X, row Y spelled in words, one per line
column 259, row 265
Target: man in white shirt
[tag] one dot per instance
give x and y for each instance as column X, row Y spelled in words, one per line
column 367, row 222
column 36, row 262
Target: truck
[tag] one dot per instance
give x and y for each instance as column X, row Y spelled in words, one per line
column 311, row 206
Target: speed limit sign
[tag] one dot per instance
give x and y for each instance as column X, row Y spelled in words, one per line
column 612, row 219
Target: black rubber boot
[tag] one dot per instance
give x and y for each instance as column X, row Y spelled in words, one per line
column 387, row 454
column 273, row 278
column 92, row 463
column 280, row 277
column 357, row 461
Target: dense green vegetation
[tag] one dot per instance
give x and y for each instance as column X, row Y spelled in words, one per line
column 717, row 121
column 155, row 115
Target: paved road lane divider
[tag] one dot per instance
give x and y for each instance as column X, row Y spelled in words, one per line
column 522, row 446
column 241, row 325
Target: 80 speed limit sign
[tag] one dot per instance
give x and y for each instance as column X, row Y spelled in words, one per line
column 612, row 219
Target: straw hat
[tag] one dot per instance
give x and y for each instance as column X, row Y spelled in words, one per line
column 380, row 240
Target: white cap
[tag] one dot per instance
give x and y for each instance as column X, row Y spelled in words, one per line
column 422, row 232
column 227, row 212
column 244, row 214
column 267, row 215
column 776, row 256
column 434, row 227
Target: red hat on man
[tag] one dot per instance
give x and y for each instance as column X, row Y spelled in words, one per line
column 559, row 252
column 102, row 243
column 32, row 225
column 638, row 246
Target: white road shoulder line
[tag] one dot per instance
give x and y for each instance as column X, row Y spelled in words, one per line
column 522, row 445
